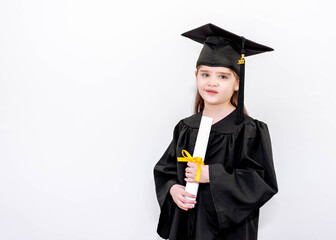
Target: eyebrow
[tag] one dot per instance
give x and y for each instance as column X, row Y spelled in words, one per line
column 227, row 73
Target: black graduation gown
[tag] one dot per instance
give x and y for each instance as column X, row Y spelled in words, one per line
column 242, row 179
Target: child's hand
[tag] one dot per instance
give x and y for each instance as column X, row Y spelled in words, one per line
column 191, row 172
column 178, row 193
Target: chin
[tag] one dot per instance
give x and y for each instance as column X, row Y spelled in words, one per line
column 211, row 102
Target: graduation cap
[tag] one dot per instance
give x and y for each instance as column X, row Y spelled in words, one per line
column 222, row 48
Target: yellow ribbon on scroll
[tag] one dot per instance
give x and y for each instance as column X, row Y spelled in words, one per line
column 188, row 158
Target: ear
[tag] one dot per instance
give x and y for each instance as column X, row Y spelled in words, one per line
column 196, row 73
column 236, row 88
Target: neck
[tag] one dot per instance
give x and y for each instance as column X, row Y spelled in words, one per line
column 218, row 111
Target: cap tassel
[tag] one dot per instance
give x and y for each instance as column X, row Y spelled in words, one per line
column 240, row 106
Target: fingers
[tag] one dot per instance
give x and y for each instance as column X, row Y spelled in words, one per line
column 179, row 196
column 186, row 194
column 190, row 201
column 191, row 164
column 190, row 177
column 191, row 180
column 190, row 172
column 183, row 206
column 185, row 203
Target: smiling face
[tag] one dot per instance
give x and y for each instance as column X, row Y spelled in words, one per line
column 216, row 85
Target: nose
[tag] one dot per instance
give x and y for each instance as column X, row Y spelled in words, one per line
column 212, row 81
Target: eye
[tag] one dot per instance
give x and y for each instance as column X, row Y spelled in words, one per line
column 222, row 76
column 205, row 75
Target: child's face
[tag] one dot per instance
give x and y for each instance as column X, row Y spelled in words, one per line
column 218, row 79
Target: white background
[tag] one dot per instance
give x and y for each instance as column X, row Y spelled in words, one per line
column 90, row 92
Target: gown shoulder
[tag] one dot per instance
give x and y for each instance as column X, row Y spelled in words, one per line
column 226, row 125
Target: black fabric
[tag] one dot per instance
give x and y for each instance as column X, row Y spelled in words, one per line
column 218, row 52
column 202, row 33
column 222, row 48
column 242, row 179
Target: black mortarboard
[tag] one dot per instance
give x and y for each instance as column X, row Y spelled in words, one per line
column 222, row 48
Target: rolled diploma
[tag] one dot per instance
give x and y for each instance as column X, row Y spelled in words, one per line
column 200, row 149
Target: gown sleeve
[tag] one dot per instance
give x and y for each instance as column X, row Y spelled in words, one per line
column 238, row 193
column 165, row 176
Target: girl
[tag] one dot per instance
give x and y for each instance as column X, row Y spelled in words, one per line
column 238, row 175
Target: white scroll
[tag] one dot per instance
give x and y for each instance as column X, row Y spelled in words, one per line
column 200, row 149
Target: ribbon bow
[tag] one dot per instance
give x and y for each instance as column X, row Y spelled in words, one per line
column 188, row 158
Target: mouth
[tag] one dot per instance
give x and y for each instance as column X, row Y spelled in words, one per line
column 211, row 92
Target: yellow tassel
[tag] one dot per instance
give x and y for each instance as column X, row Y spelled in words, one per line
column 242, row 59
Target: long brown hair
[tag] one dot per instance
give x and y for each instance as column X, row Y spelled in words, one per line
column 199, row 101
